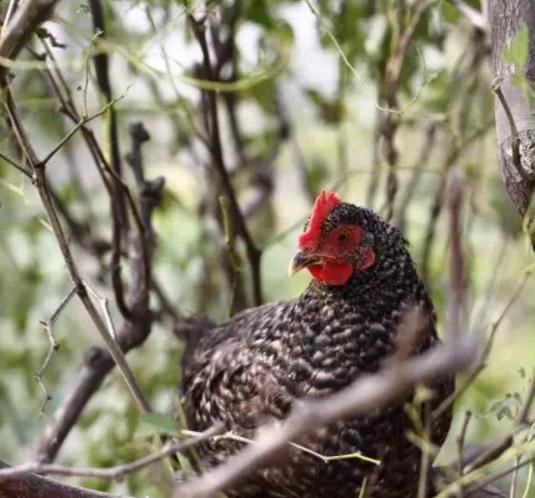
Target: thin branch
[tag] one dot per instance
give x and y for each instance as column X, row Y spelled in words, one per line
column 497, row 476
column 391, row 121
column 476, row 17
column 120, row 219
column 101, row 63
column 48, row 327
column 116, row 471
column 356, row 455
column 254, row 254
column 458, row 283
column 21, row 26
column 98, row 362
column 80, row 124
column 166, row 305
column 231, row 250
column 455, row 151
column 63, row 92
column 461, row 437
column 41, row 184
column 426, row 453
column 417, row 170
column 490, row 454
column 515, row 139
column 332, row 37
column 119, row 357
column 11, row 8
column 14, row 163
column 448, row 402
column 524, row 413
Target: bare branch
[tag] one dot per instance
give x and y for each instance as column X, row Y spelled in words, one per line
column 253, row 253
column 118, row 355
column 391, row 119
column 22, row 25
column 101, row 63
column 473, row 493
column 515, row 139
column 115, row 472
column 456, row 316
column 423, row 158
column 490, row 454
column 132, row 333
column 461, row 437
column 11, row 8
column 476, row 17
column 119, row 199
column 14, row 163
column 80, row 124
column 524, row 414
column 448, row 402
column 41, row 184
column 48, row 326
column 231, row 251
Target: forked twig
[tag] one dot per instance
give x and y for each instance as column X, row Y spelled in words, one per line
column 48, row 327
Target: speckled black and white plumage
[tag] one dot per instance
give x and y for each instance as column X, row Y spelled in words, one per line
column 249, row 371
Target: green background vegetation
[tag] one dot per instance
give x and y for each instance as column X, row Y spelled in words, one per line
column 287, row 64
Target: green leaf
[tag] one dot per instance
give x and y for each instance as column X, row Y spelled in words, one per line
column 517, row 51
column 258, row 12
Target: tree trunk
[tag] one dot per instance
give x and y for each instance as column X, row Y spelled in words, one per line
column 517, row 162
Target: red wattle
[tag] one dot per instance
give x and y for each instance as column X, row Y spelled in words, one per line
column 332, row 273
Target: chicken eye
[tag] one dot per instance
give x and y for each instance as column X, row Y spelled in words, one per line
column 342, row 237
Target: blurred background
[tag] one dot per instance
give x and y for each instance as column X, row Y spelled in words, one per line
column 305, row 103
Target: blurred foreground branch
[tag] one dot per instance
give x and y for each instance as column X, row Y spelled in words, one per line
column 363, row 396
column 20, row 27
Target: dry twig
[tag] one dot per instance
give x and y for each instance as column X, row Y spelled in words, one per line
column 48, row 327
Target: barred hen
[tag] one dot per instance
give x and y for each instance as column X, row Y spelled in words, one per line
column 249, row 371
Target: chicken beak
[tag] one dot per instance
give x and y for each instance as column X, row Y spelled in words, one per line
column 301, row 261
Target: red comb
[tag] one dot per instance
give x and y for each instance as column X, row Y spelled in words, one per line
column 324, row 204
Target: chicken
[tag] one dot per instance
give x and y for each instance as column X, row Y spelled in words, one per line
column 249, row 371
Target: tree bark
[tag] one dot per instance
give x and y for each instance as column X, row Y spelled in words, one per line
column 518, row 174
